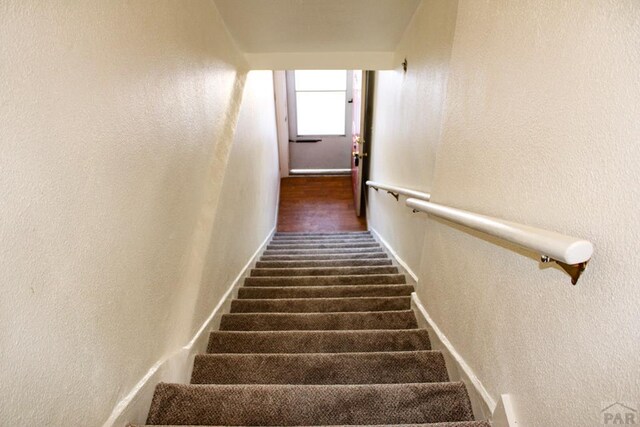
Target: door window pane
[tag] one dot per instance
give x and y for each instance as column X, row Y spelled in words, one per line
column 321, row 113
column 321, row 80
column 321, row 102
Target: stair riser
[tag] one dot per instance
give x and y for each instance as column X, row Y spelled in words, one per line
column 330, row 271
column 363, row 279
column 323, row 405
column 323, row 263
column 320, row 305
column 316, row 233
column 318, row 341
column 318, row 321
column 324, row 257
column 349, row 368
column 347, row 291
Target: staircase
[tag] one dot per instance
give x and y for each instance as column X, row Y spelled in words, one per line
column 322, row 333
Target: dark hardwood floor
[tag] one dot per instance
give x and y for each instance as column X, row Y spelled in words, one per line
column 318, row 203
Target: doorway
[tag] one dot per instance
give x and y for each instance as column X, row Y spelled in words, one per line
column 324, row 126
column 320, row 121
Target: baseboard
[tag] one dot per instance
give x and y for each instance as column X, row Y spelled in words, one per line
column 505, row 414
column 177, row 366
column 483, row 404
column 277, row 214
column 394, row 254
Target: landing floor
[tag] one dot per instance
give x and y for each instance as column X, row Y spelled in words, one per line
column 318, row 203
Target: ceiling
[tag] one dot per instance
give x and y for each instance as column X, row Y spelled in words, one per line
column 287, row 29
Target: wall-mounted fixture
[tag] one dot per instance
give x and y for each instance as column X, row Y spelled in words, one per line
column 405, row 64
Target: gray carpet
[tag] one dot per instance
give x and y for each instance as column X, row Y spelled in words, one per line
column 321, row 333
column 325, row 291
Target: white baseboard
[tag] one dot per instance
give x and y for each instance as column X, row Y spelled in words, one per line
column 394, row 254
column 482, row 403
column 176, row 367
column 505, row 414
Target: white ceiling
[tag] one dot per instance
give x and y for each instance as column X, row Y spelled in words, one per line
column 262, row 27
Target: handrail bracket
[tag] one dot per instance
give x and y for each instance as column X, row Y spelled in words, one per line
column 396, row 195
column 573, row 270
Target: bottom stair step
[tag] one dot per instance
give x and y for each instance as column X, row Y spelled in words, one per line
column 318, row 341
column 288, row 405
column 321, row 368
column 454, row 424
column 401, row 319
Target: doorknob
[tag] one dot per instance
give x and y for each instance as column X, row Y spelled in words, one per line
column 356, row 154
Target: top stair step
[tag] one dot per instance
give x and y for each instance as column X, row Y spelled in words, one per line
column 321, row 238
column 336, row 233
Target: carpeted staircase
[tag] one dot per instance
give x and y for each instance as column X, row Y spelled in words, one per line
column 322, row 333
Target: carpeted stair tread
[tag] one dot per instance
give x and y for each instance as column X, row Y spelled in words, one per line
column 346, row 291
column 323, row 271
column 311, row 251
column 298, row 240
column 318, row 341
column 320, row 257
column 323, row 404
column 453, row 424
column 321, row 333
column 320, row 305
column 320, row 368
column 324, row 263
column 400, row 319
column 361, row 279
column 322, row 240
column 307, row 245
column 307, row 235
column 321, row 236
column 315, row 238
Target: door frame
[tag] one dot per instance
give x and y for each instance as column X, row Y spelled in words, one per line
column 367, row 134
column 282, row 118
column 294, row 138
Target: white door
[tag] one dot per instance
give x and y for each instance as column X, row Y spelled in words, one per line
column 319, row 103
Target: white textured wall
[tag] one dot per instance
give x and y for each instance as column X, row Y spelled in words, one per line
column 540, row 127
column 117, row 125
column 407, row 123
column 249, row 196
